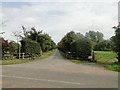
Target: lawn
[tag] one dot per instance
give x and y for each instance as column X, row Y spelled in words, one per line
column 105, row 56
column 18, row 61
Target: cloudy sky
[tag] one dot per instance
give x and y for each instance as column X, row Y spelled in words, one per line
column 57, row 18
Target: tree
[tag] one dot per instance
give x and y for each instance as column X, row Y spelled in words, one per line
column 66, row 41
column 116, row 40
column 30, row 47
column 105, row 45
column 46, row 42
column 43, row 39
column 94, row 36
column 81, row 48
column 75, row 46
column 13, row 47
column 33, row 34
column 5, row 46
column 9, row 47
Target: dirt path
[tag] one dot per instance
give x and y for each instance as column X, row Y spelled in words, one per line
column 57, row 71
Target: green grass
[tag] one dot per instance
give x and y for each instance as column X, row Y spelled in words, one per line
column 113, row 66
column 76, row 61
column 18, row 61
column 104, row 56
column 14, row 61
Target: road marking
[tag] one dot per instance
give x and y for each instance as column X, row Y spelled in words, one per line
column 55, row 81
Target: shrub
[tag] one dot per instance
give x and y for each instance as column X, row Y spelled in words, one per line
column 30, row 47
column 75, row 46
column 81, row 49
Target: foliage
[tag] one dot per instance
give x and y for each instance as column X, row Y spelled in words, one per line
column 105, row 45
column 75, row 46
column 113, row 66
column 81, row 48
column 5, row 46
column 98, row 42
column 9, row 47
column 30, row 47
column 116, row 40
column 94, row 36
column 13, row 47
column 43, row 39
column 67, row 40
column 46, row 42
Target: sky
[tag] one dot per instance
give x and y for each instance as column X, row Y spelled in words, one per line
column 59, row 17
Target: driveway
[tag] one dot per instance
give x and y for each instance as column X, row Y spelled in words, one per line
column 57, row 72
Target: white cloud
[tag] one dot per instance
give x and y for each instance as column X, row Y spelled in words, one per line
column 59, row 18
column 59, row 0
column 29, row 20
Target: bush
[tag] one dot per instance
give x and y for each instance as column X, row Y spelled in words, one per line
column 75, row 46
column 30, row 47
column 81, row 49
column 105, row 45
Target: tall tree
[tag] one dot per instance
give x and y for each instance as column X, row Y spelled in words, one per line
column 116, row 40
column 75, row 45
column 105, row 45
column 67, row 41
column 43, row 39
column 94, row 36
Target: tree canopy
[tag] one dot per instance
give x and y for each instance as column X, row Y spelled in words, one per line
column 75, row 45
column 116, row 40
column 44, row 40
column 94, row 36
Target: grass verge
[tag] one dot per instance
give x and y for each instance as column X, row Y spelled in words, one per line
column 18, row 61
column 108, row 60
column 103, row 58
column 14, row 61
column 113, row 66
column 45, row 55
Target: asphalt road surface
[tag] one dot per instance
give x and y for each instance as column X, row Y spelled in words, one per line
column 57, row 72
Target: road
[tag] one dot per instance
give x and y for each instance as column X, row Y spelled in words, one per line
column 57, row 72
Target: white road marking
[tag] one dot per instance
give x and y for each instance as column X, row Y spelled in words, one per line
column 55, row 81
